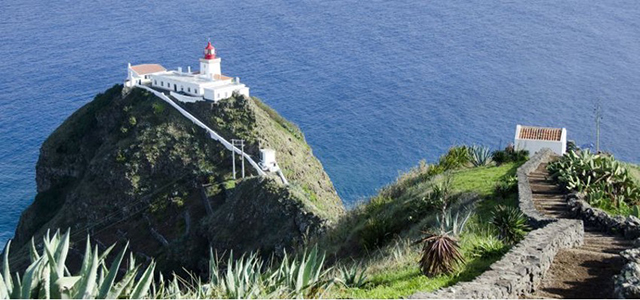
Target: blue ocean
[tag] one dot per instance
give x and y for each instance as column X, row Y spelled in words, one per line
column 375, row 85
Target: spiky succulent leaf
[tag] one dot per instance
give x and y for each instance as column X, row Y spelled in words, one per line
column 6, row 270
column 440, row 255
column 142, row 287
column 107, row 284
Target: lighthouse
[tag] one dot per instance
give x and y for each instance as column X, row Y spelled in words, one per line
column 207, row 84
column 210, row 64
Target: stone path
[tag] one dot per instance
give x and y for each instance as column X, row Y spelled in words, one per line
column 582, row 272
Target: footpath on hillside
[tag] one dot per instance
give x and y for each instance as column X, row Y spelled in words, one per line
column 581, row 272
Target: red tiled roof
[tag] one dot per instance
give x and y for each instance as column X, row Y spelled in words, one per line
column 540, row 133
column 147, row 68
column 221, row 77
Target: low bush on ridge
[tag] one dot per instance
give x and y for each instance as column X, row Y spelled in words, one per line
column 509, row 154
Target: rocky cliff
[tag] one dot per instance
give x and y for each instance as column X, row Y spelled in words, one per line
column 133, row 168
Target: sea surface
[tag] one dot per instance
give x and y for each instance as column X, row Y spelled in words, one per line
column 376, row 86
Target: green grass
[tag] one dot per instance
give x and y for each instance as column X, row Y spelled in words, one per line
column 481, row 180
column 403, row 278
column 387, row 215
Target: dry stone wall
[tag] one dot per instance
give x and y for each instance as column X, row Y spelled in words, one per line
column 627, row 283
column 629, row 226
column 520, row 271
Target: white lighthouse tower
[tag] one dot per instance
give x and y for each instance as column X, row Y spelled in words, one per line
column 210, row 64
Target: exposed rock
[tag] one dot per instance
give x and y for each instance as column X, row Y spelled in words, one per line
column 117, row 157
column 627, row 284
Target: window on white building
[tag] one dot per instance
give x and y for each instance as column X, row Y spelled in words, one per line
column 155, row 82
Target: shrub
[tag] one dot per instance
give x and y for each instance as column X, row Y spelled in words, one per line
column 480, row 156
column 509, row 154
column 376, row 231
column 158, row 108
column 606, row 181
column 455, row 158
column 440, row 255
column 506, row 186
column 489, row 247
column 510, row 223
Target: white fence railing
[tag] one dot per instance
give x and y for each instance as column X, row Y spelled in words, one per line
column 214, row 135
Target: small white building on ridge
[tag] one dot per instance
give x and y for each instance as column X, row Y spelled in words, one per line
column 533, row 139
column 206, row 84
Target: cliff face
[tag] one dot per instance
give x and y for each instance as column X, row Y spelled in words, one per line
column 132, row 168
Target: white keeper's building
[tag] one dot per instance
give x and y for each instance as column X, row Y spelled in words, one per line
column 206, row 84
column 533, row 139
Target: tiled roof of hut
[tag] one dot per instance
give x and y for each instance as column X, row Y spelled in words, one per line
column 540, row 133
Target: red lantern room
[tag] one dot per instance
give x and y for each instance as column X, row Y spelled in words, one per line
column 209, row 52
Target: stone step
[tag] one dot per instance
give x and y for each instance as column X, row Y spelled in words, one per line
column 538, row 176
column 598, row 254
column 548, row 196
column 611, row 241
column 603, row 248
column 554, row 208
column 550, row 203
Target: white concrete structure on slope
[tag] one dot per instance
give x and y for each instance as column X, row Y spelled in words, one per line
column 533, row 139
column 207, row 84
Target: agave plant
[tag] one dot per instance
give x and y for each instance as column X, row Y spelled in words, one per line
column 304, row 277
column 440, row 255
column 47, row 276
column 454, row 224
column 353, row 276
column 480, row 156
column 510, row 223
column 242, row 279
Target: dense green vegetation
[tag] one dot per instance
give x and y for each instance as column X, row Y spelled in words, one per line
column 607, row 183
column 129, row 167
column 444, row 213
column 247, row 277
column 381, row 233
column 372, row 252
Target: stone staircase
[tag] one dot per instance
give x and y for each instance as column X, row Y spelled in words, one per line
column 582, row 272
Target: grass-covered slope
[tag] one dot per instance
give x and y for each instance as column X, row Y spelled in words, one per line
column 133, row 168
column 379, row 234
column 371, row 252
column 262, row 127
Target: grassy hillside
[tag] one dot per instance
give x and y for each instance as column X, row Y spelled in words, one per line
column 379, row 234
column 131, row 167
column 371, row 253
